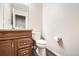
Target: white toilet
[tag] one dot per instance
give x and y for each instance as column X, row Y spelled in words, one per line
column 41, row 44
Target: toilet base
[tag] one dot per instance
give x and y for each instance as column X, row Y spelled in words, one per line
column 41, row 51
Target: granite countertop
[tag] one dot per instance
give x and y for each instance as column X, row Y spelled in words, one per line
column 15, row 30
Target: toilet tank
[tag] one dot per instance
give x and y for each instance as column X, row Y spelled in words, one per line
column 36, row 35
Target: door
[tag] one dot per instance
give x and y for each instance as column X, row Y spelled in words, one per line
column 6, row 48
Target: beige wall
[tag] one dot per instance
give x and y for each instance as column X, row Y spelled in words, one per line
column 62, row 20
column 35, row 16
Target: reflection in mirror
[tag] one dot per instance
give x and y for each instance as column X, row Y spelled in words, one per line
column 20, row 21
column 20, row 16
column 1, row 16
column 13, row 15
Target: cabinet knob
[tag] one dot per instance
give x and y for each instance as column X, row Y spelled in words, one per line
column 24, row 53
column 24, row 43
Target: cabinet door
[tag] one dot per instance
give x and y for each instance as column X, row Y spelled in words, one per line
column 6, row 48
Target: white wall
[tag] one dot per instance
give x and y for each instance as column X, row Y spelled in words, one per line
column 7, row 16
column 62, row 20
column 35, row 16
column 1, row 16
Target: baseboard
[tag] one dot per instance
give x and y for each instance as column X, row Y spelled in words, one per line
column 57, row 54
column 49, row 53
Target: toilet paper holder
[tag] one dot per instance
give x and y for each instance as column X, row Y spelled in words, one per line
column 59, row 41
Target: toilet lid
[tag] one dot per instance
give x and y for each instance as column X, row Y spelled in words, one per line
column 41, row 41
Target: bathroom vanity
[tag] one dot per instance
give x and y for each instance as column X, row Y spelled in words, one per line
column 15, row 42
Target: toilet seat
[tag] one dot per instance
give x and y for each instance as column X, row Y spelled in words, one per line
column 43, row 42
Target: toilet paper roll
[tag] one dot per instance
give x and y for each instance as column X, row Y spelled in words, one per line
column 57, row 38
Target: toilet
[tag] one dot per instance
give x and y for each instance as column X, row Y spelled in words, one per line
column 41, row 44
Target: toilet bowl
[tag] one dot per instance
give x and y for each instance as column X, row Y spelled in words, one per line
column 41, row 44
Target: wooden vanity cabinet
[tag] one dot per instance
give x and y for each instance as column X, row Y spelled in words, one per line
column 15, row 42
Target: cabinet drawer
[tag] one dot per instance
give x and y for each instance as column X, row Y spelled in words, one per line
column 15, row 34
column 5, row 42
column 24, row 42
column 25, row 52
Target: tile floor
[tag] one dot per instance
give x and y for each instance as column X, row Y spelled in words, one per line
column 48, row 53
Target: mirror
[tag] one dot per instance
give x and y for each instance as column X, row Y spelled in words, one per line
column 1, row 16
column 13, row 16
column 20, row 16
